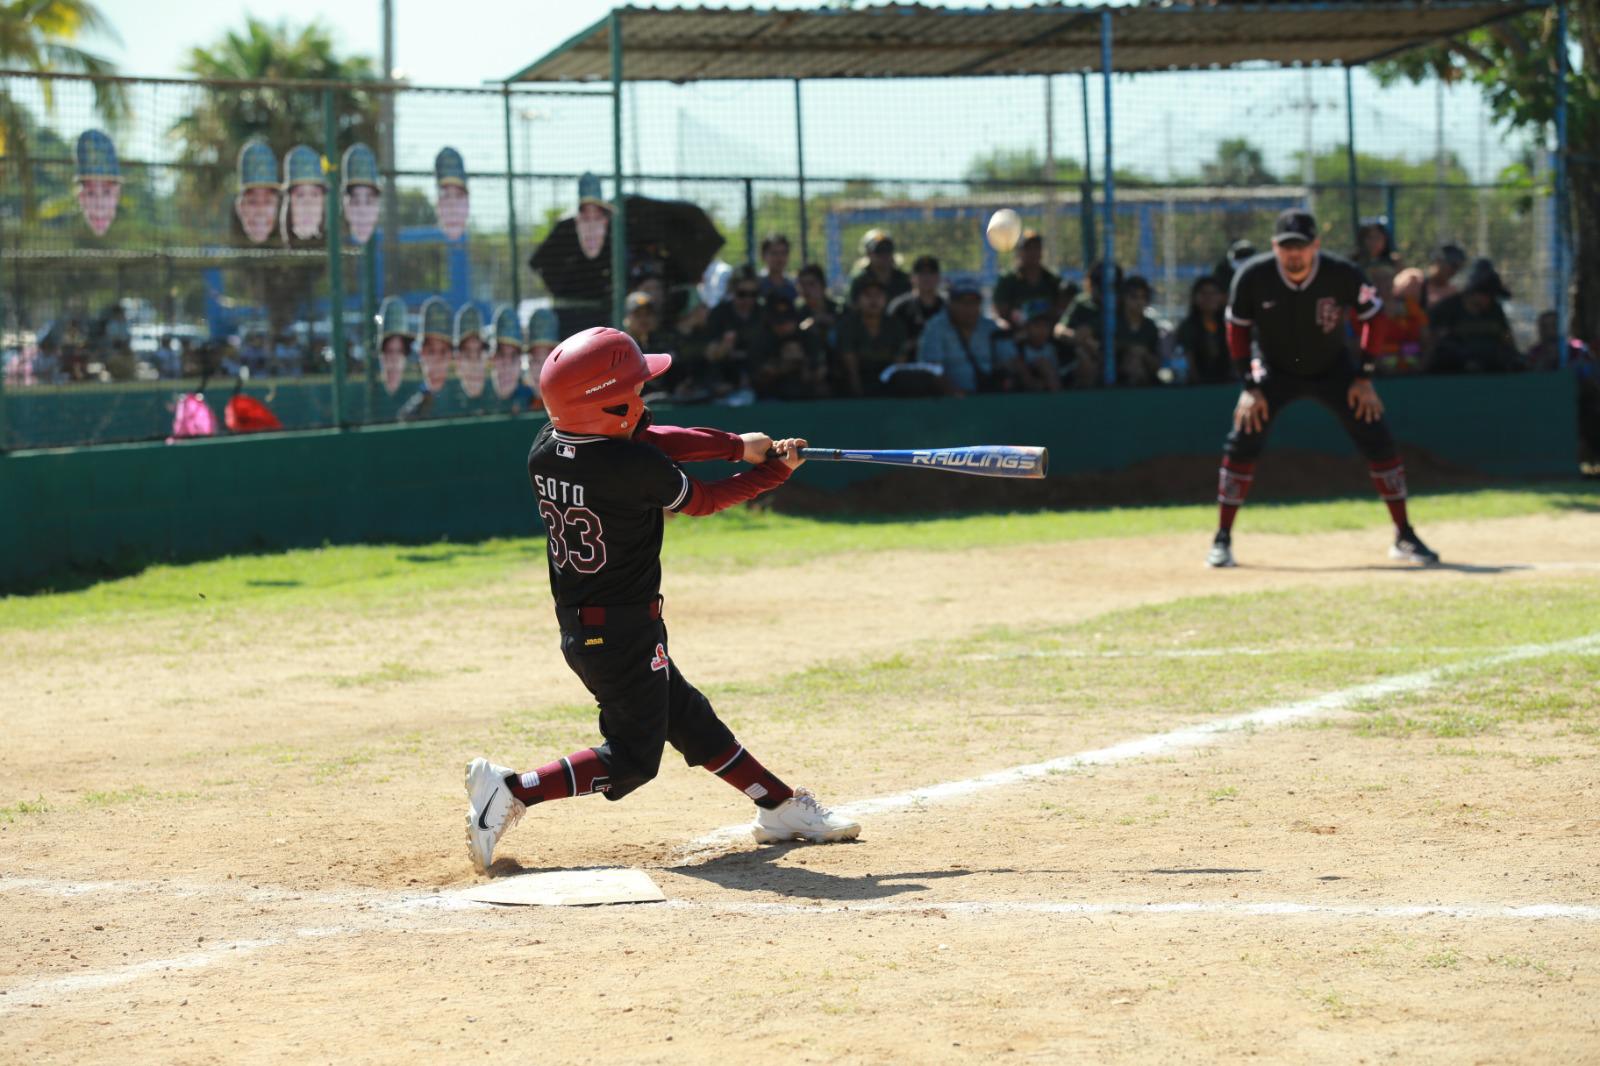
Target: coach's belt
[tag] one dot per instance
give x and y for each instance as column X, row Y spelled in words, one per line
column 599, row 616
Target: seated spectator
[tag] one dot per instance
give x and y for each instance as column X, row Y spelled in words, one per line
column 1239, row 253
column 1038, row 351
column 1469, row 330
column 870, row 341
column 253, row 354
column 1374, row 246
column 1084, row 319
column 287, row 358
column 735, row 326
column 775, row 257
column 642, row 322
column 785, row 365
column 1439, row 283
column 923, row 301
column 1029, row 281
column 690, row 377
column 819, row 312
column 1200, row 345
column 1398, row 333
column 1545, row 353
column 168, row 360
column 881, row 265
column 973, row 352
column 1138, row 335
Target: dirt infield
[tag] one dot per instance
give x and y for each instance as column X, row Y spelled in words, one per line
column 251, row 824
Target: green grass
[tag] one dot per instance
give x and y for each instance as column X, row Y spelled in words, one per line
column 24, row 807
column 356, row 577
column 1003, row 681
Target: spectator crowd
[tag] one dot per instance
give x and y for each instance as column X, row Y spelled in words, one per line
column 905, row 328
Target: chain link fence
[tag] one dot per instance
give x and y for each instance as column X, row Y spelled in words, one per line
column 159, row 239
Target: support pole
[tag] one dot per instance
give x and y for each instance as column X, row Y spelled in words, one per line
column 386, row 149
column 330, row 137
column 1052, row 220
column 511, row 201
column 800, row 170
column 1086, row 195
column 1108, row 271
column 750, row 222
column 619, row 211
column 3, row 371
column 369, row 328
column 1563, row 212
column 1391, row 211
column 1350, row 154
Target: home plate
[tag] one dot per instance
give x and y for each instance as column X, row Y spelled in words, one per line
column 569, row 888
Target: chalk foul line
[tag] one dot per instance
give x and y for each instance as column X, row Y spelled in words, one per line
column 1186, row 738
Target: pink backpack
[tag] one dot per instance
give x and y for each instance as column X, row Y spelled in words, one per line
column 192, row 418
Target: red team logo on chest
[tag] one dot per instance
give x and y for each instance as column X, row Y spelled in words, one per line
column 1328, row 314
column 660, row 660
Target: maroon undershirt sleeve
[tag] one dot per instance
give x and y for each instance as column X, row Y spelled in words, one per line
column 713, row 496
column 1239, row 349
column 694, row 445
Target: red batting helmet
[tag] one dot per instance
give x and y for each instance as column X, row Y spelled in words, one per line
column 590, row 382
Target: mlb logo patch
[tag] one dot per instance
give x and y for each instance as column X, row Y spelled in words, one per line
column 566, row 451
column 659, row 661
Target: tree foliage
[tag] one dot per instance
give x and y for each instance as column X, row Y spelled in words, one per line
column 1514, row 64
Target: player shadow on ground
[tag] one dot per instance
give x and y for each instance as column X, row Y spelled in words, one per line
column 1397, row 568
column 758, row 871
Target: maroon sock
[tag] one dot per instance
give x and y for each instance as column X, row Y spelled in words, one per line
column 744, row 772
column 1389, row 478
column 578, row 774
column 1233, row 485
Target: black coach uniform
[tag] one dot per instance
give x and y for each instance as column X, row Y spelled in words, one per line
column 1304, row 334
column 601, row 501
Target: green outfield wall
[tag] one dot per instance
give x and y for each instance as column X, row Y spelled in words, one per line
column 115, row 506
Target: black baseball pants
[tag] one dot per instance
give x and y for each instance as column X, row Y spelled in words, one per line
column 1372, row 438
column 645, row 703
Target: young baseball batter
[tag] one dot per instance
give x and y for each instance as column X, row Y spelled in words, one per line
column 603, row 477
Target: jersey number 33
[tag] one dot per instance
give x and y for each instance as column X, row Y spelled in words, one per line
column 577, row 541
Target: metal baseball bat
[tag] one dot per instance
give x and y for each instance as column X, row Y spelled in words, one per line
column 986, row 460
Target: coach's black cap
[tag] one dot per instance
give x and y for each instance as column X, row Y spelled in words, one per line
column 1295, row 225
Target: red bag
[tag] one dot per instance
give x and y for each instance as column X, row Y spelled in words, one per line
column 246, row 415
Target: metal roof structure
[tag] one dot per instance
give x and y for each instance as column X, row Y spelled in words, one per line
column 916, row 41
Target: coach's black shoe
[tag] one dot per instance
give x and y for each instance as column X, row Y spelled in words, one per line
column 1221, row 549
column 1408, row 548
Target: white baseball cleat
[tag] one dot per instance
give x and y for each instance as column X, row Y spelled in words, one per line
column 801, row 817
column 491, row 810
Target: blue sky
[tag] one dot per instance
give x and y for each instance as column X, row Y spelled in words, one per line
column 1163, row 123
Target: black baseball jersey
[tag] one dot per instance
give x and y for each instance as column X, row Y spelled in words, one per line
column 601, row 501
column 1302, row 329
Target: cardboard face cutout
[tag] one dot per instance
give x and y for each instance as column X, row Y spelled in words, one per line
column 99, row 180
column 256, row 204
column 394, row 346
column 470, row 349
column 257, row 210
column 307, row 202
column 507, row 368
column 363, row 195
column 392, row 359
column 544, row 333
column 436, row 339
column 506, row 363
column 593, row 221
column 452, row 204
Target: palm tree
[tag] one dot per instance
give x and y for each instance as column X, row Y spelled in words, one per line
column 209, row 136
column 39, row 35
column 283, row 116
